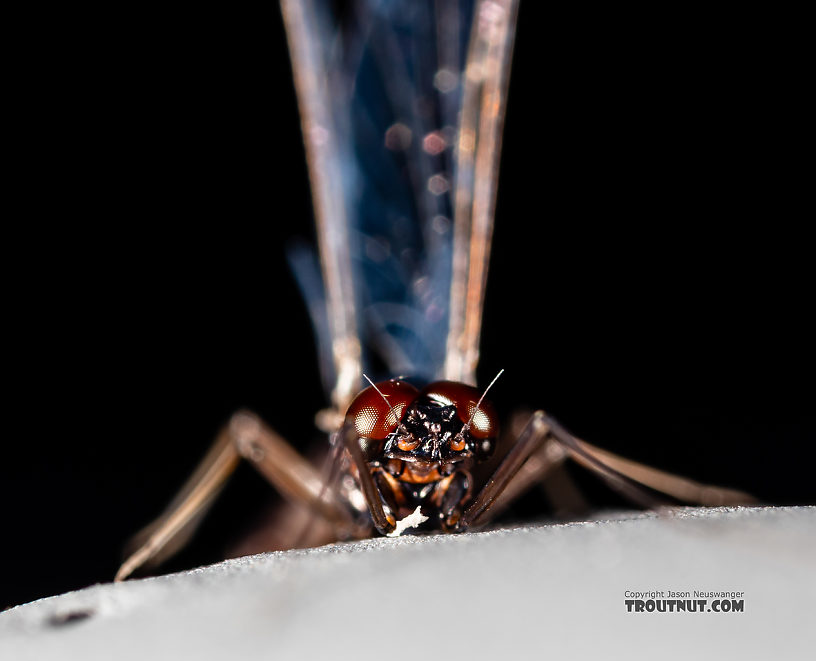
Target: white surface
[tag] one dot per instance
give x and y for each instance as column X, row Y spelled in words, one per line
column 538, row 592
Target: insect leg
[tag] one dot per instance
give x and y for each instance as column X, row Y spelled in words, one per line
column 629, row 477
column 245, row 435
column 283, row 467
column 530, row 441
column 544, row 444
column 383, row 522
column 546, row 466
column 676, row 486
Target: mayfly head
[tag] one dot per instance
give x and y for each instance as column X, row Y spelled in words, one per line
column 445, row 422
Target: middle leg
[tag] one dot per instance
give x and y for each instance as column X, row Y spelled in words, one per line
column 544, row 444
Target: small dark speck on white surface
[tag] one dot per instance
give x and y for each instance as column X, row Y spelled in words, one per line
column 537, row 592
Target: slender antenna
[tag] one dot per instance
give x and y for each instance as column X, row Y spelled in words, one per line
column 388, row 404
column 385, row 399
column 479, row 403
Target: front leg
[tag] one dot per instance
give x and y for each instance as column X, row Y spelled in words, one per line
column 383, row 522
column 530, row 440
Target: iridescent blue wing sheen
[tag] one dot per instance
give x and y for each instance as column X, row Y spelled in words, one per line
column 381, row 85
column 406, row 99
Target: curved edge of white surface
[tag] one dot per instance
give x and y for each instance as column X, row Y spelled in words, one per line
column 539, row 592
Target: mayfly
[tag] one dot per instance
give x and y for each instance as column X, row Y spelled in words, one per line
column 402, row 112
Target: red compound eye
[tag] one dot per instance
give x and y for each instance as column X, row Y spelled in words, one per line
column 485, row 421
column 370, row 414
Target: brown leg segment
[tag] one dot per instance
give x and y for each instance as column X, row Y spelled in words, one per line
column 530, row 440
column 383, row 523
column 546, row 466
column 244, row 436
column 676, row 486
column 284, row 468
column 629, row 476
column 544, row 443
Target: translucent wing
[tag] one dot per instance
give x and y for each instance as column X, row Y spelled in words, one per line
column 322, row 124
column 401, row 106
column 478, row 148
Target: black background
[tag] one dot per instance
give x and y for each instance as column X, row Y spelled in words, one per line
column 650, row 282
